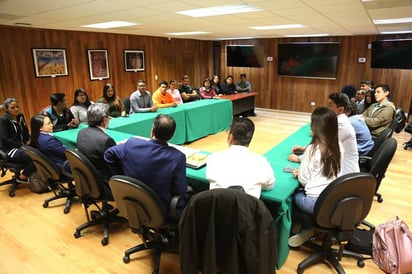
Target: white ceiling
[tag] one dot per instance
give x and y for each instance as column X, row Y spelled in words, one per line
column 157, row 17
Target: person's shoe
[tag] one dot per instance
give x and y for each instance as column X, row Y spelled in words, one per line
column 23, row 181
column 298, row 239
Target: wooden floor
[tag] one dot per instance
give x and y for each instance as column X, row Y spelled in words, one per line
column 38, row 240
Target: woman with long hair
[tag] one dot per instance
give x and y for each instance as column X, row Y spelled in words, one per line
column 116, row 107
column 80, row 104
column 43, row 139
column 320, row 165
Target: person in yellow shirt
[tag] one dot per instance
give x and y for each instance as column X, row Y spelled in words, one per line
column 161, row 98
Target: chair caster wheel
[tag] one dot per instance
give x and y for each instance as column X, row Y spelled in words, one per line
column 66, row 210
column 361, row 263
column 76, row 234
column 104, row 241
column 45, row 205
column 126, row 259
column 380, row 200
column 12, row 194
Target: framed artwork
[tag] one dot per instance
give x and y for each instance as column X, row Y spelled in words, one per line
column 98, row 64
column 134, row 60
column 50, row 62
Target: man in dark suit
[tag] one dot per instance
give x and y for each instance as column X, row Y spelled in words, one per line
column 93, row 141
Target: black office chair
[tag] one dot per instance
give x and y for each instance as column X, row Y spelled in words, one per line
column 339, row 209
column 220, row 228
column 379, row 162
column 15, row 168
column 126, row 103
column 92, row 192
column 399, row 120
column 59, row 182
column 146, row 215
column 386, row 134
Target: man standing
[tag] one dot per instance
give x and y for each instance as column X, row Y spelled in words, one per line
column 141, row 99
column 238, row 166
column 186, row 91
column 154, row 162
column 93, row 140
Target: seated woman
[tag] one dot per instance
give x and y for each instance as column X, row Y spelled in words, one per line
column 115, row 102
column 206, row 91
column 80, row 105
column 43, row 139
column 228, row 87
column 320, row 165
column 14, row 134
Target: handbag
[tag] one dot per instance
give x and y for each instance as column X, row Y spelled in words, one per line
column 37, row 185
column 392, row 247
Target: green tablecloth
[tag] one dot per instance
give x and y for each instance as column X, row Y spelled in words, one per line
column 69, row 137
column 140, row 124
column 281, row 194
column 206, row 117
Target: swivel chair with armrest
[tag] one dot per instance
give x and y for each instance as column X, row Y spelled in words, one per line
column 92, row 191
column 146, row 215
column 379, row 163
column 15, row 168
column 60, row 182
column 339, row 209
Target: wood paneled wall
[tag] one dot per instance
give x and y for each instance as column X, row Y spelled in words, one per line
column 17, row 76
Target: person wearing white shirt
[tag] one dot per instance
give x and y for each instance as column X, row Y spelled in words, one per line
column 238, row 166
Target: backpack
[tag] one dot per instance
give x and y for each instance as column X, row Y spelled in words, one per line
column 37, row 185
column 392, row 247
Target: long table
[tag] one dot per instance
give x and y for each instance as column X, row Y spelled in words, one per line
column 194, row 120
column 241, row 102
column 281, row 195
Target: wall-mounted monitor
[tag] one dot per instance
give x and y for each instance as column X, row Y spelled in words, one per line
column 308, row 59
column 244, row 56
column 392, row 54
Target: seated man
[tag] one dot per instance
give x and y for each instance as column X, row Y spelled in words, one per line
column 379, row 115
column 243, row 85
column 187, row 92
column 363, row 136
column 141, row 99
column 60, row 115
column 163, row 99
column 93, row 140
column 154, row 162
column 238, row 165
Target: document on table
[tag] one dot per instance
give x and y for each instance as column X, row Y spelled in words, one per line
column 194, row 158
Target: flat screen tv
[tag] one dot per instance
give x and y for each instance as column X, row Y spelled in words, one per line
column 308, row 59
column 392, row 54
column 244, row 56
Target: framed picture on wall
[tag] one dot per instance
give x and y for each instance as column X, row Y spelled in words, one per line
column 134, row 60
column 98, row 64
column 50, row 62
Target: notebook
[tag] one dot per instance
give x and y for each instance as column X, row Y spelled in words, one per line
column 194, row 158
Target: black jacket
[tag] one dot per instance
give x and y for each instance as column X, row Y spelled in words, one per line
column 227, row 231
column 13, row 134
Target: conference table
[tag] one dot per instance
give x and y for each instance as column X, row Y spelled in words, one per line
column 241, row 102
column 194, row 120
column 280, row 197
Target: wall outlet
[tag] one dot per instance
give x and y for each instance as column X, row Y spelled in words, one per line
column 269, row 58
column 361, row 59
column 313, row 104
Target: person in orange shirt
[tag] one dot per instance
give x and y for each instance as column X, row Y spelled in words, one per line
column 161, row 98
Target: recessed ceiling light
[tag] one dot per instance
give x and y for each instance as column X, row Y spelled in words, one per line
column 308, row 35
column 290, row 26
column 396, row 32
column 111, row 24
column 220, row 10
column 393, row 21
column 187, row 33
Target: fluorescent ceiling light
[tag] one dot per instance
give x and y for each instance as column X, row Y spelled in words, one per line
column 308, row 35
column 396, row 32
column 219, row 10
column 290, row 26
column 235, row 38
column 393, row 21
column 187, row 33
column 111, row 24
